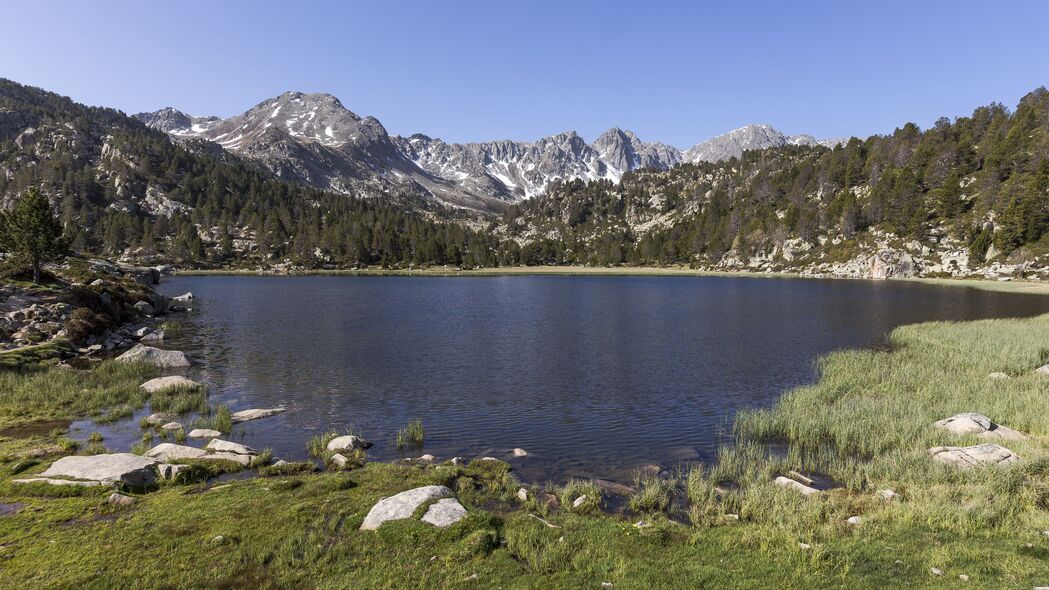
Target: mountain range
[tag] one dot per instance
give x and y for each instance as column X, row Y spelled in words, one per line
column 313, row 139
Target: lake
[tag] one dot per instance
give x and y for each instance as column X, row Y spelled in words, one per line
column 592, row 375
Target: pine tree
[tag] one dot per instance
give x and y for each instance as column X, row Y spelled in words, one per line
column 31, row 233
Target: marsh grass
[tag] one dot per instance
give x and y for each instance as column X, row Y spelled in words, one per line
column 221, row 420
column 654, row 494
column 574, row 489
column 296, row 468
column 411, row 435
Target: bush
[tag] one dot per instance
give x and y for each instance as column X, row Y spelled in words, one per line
column 83, row 323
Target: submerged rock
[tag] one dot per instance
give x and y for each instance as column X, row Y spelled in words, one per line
column 125, row 468
column 965, row 457
column 444, row 513
column 157, row 357
column 255, row 414
column 204, row 433
column 158, row 419
column 979, row 425
column 402, row 505
column 169, row 382
column 171, row 426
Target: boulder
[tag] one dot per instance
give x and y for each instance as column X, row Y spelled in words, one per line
column 154, row 337
column 171, row 426
column 184, row 298
column 339, row 460
column 518, row 452
column 255, row 414
column 796, row 486
column 59, row 482
column 444, row 513
column 979, row 425
column 854, row 520
column 169, row 471
column 224, row 446
column 123, row 468
column 117, row 499
column 965, row 457
column 169, row 382
column 402, row 505
column 426, row 459
column 144, row 308
column 204, row 433
column 157, row 357
column 347, row 443
column 168, row 452
column 244, row 460
column 1042, row 370
column 522, row 494
column 548, row 500
column 158, row 418
column 888, row 264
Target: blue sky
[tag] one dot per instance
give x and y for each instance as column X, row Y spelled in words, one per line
column 678, row 72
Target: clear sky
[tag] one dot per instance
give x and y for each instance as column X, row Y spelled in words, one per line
column 677, row 72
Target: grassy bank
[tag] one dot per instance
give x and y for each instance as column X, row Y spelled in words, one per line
column 866, row 424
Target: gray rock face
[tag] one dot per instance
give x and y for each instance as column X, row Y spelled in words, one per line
column 169, row 382
column 124, row 468
column 255, row 414
column 157, row 357
column 751, row 137
column 966, row 457
column 444, row 513
column 888, row 264
column 402, row 505
column 979, row 425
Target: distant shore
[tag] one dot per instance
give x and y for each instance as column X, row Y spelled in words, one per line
column 1013, row 286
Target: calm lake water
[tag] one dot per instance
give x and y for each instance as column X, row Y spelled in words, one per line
column 593, row 376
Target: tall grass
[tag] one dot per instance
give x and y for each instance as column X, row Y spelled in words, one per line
column 411, row 435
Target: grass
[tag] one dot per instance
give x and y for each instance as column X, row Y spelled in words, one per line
column 866, row 424
column 411, row 435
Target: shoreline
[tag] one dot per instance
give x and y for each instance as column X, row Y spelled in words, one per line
column 1011, row 286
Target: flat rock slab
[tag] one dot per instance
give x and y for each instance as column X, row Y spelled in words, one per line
column 203, row 433
column 168, row 452
column 965, row 457
column 444, row 513
column 159, row 418
column 157, row 357
column 402, row 505
column 244, row 460
column 169, row 382
column 979, row 425
column 125, row 468
column 225, row 446
column 59, row 482
column 255, row 414
column 797, row 486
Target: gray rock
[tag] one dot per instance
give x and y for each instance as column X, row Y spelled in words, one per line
column 120, row 499
column 518, row 452
column 402, row 505
column 185, row 297
column 1042, row 370
column 255, row 414
column 155, row 356
column 168, row 452
column 244, row 460
column 204, row 433
column 339, row 460
column 158, row 418
column 225, row 446
column 888, row 494
column 979, row 425
column 124, row 468
column 59, row 482
column 154, row 337
column 579, row 501
column 796, row 486
column 444, row 513
column 347, row 443
column 854, row 520
column 427, row 458
column 965, row 457
column 169, row 471
column 522, row 494
column 170, row 426
column 997, row 376
column 144, row 308
column 169, row 382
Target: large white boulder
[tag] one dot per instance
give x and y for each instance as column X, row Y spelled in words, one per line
column 169, row 382
column 965, row 457
column 444, row 513
column 157, row 357
column 126, row 468
column 979, row 425
column 402, row 505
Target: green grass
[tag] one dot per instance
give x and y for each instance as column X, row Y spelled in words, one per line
column 866, row 424
column 411, row 435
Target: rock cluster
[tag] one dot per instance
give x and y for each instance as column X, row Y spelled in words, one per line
column 108, row 469
column 444, row 512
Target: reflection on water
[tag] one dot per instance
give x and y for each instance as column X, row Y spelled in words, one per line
column 593, row 376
